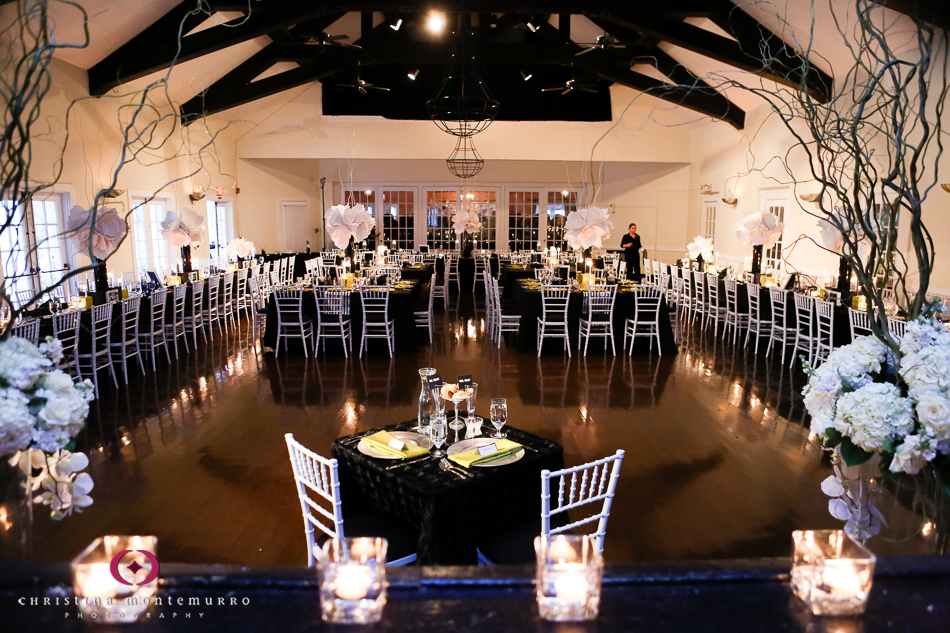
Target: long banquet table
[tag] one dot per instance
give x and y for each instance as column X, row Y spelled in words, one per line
column 402, row 303
column 529, row 301
column 452, row 514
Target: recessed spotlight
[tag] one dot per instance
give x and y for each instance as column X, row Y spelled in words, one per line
column 414, row 74
column 526, row 75
column 532, row 26
column 435, row 23
column 397, row 25
column 565, row 193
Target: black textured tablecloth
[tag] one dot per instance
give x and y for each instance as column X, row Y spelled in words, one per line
column 402, row 302
column 452, row 514
column 420, row 272
column 510, row 274
column 530, row 303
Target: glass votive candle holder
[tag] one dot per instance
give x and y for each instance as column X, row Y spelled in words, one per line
column 353, row 580
column 831, row 572
column 570, row 571
column 116, row 577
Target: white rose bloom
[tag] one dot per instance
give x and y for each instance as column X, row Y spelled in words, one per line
column 57, row 381
column 58, row 410
column 933, row 411
column 913, row 454
column 872, row 414
column 52, row 348
column 16, row 422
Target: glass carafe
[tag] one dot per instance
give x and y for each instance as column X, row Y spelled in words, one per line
column 427, row 403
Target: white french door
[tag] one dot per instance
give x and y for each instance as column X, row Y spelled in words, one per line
column 152, row 251
column 220, row 228
column 774, row 203
column 33, row 250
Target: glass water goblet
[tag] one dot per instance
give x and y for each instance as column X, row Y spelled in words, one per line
column 437, row 433
column 499, row 416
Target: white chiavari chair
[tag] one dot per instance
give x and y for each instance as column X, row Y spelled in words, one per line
column 714, row 311
column 194, row 320
column 896, row 327
column 333, row 317
column 781, row 332
column 646, row 319
column 553, row 320
column 700, row 300
column 258, row 306
column 734, row 319
column 242, row 302
column 154, row 337
column 503, row 322
column 291, row 321
column 440, row 290
column 175, row 325
column 211, row 314
column 128, row 344
column 592, row 484
column 805, row 332
column 825, row 317
column 226, row 301
column 757, row 325
column 29, row 330
column 376, row 320
column 318, row 481
column 860, row 323
column 597, row 319
column 66, row 329
column 98, row 356
column 426, row 318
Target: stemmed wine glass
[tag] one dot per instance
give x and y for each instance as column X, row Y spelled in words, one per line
column 437, row 433
column 499, row 415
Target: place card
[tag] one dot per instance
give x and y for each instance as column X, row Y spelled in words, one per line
column 435, row 381
column 465, row 381
column 487, row 450
column 397, row 444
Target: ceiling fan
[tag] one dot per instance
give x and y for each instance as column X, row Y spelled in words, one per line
column 325, row 39
column 361, row 86
column 571, row 85
column 602, row 42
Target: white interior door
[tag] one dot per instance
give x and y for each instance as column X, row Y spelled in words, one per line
column 296, row 215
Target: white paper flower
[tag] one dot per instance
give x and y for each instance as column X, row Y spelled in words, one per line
column 240, row 247
column 466, row 221
column 109, row 230
column 587, row 228
column 760, row 229
column 184, row 228
column 344, row 222
column 700, row 246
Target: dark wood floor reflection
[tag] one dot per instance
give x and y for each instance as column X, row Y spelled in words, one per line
column 718, row 464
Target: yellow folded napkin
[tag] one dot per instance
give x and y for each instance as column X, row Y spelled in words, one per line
column 471, row 457
column 380, row 441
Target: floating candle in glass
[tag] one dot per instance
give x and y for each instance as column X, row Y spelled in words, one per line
column 353, row 580
column 570, row 571
column 116, row 577
column 831, row 572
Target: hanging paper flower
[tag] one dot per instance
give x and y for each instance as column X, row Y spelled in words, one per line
column 240, row 247
column 344, row 222
column 760, row 229
column 466, row 221
column 187, row 227
column 109, row 230
column 586, row 228
column 833, row 240
column 700, row 247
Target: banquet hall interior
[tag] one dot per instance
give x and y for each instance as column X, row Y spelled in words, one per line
column 378, row 237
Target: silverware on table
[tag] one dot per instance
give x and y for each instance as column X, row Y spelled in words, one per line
column 445, row 464
column 410, row 461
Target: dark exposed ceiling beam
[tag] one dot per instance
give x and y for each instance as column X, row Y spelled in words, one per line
column 784, row 65
column 422, row 53
column 158, row 46
column 696, row 8
column 703, row 100
column 238, row 86
column 936, row 12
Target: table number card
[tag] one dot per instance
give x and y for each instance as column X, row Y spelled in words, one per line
column 487, row 450
column 397, row 444
column 465, row 381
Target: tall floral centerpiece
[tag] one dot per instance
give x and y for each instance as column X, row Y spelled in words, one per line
column 700, row 249
column 586, row 229
column 347, row 225
column 185, row 230
column 466, row 222
column 762, row 230
column 100, row 231
column 240, row 249
column 41, row 412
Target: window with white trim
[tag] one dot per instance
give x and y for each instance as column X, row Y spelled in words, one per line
column 220, row 228
column 771, row 257
column 483, row 203
column 440, row 207
column 151, row 248
column 398, row 219
column 524, row 220
column 560, row 203
column 33, row 251
column 709, row 219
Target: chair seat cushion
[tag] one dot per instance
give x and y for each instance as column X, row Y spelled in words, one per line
column 402, row 536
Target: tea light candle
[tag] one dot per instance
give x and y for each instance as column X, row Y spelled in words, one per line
column 363, row 549
column 352, row 582
column 842, row 578
column 99, row 583
column 561, row 551
column 571, row 587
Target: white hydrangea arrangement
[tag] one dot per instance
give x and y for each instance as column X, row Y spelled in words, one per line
column 41, row 411
column 867, row 401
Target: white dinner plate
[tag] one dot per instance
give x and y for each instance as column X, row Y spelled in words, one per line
column 409, row 437
column 464, row 445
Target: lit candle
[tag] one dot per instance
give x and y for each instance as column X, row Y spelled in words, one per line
column 100, row 583
column 364, row 549
column 352, row 582
column 561, row 551
column 842, row 578
column 571, row 587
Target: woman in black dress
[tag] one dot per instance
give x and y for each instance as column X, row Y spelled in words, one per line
column 631, row 248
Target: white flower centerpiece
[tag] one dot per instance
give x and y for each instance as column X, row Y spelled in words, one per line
column 868, row 402
column 185, row 228
column 700, row 247
column 240, row 248
column 41, row 411
column 345, row 223
column 104, row 235
column 587, row 228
